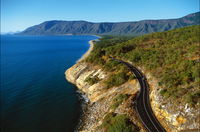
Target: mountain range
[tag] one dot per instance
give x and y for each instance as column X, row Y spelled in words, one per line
column 136, row 28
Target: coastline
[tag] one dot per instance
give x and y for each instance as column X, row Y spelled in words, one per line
column 96, row 99
column 87, row 53
column 85, row 101
column 100, row 99
column 91, row 43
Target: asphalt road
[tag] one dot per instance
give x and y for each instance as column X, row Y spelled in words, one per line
column 142, row 103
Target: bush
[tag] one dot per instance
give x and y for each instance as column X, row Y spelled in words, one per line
column 92, row 80
column 193, row 98
column 118, row 123
column 116, row 79
column 111, row 65
column 118, row 100
column 165, row 93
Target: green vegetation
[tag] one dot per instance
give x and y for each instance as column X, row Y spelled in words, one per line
column 193, row 97
column 116, row 79
column 172, row 57
column 118, row 123
column 118, row 100
column 117, row 28
column 92, row 80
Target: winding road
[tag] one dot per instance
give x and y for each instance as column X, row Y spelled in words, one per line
column 142, row 103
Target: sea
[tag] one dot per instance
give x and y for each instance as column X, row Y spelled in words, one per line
column 35, row 96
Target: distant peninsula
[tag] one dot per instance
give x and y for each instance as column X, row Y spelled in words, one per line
column 136, row 28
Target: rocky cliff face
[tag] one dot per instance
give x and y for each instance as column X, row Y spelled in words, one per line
column 80, row 71
column 174, row 116
column 101, row 98
column 77, row 75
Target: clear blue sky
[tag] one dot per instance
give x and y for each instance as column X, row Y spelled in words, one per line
column 16, row 15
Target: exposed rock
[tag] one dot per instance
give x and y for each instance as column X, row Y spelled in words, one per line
column 101, row 98
column 174, row 116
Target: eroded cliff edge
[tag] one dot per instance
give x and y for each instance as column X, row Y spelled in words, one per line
column 101, row 101
column 174, row 116
column 101, row 98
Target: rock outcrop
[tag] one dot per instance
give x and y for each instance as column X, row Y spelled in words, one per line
column 100, row 97
column 173, row 117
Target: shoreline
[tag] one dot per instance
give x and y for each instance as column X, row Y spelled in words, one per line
column 87, row 53
column 84, row 107
column 99, row 98
column 85, row 102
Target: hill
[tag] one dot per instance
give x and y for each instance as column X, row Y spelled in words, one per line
column 172, row 57
column 170, row 62
column 109, row 28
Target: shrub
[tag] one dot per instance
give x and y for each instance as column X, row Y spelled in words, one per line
column 118, row 100
column 111, row 65
column 116, row 79
column 193, row 98
column 118, row 123
column 92, row 80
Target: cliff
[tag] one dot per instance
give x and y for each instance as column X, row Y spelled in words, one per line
column 100, row 98
column 173, row 118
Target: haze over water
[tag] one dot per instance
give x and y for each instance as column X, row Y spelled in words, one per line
column 35, row 94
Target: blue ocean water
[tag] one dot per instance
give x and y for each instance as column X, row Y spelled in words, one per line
column 35, row 96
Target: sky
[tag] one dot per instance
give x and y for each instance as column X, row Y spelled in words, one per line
column 17, row 15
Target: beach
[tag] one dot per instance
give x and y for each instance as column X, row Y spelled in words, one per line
column 91, row 42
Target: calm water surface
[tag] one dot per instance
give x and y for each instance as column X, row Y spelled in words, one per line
column 35, row 97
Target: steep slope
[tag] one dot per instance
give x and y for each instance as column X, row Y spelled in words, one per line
column 109, row 28
column 170, row 60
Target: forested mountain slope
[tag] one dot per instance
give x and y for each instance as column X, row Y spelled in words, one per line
column 109, row 28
